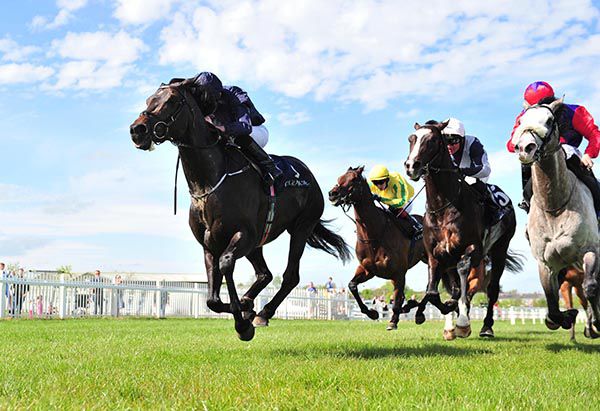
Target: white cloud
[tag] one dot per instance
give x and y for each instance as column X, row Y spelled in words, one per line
column 12, row 51
column 367, row 51
column 141, row 11
column 409, row 113
column 64, row 15
column 99, row 60
column 14, row 73
column 290, row 119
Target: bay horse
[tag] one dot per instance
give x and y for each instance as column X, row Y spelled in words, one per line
column 456, row 236
column 562, row 224
column 572, row 279
column 382, row 248
column 229, row 209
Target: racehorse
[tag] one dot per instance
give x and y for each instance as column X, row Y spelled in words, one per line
column 562, row 224
column 456, row 236
column 572, row 279
column 382, row 248
column 230, row 213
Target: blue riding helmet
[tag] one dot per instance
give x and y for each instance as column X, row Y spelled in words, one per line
column 210, row 81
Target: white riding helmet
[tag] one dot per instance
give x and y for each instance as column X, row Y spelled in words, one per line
column 455, row 126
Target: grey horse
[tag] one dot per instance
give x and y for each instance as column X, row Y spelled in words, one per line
column 562, row 225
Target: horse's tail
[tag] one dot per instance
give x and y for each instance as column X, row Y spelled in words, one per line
column 514, row 261
column 328, row 241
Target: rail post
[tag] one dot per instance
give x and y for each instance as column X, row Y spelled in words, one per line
column 4, row 290
column 62, row 298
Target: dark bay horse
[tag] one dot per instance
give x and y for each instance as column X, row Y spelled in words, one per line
column 455, row 234
column 229, row 206
column 572, row 279
column 382, row 249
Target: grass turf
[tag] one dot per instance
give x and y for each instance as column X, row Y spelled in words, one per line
column 177, row 363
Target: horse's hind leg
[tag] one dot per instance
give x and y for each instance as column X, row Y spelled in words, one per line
column 565, row 290
column 360, row 276
column 592, row 291
column 398, row 297
column 263, row 278
column 291, row 275
column 237, row 248
column 498, row 258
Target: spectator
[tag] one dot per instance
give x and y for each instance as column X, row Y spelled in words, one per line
column 39, row 303
column 120, row 301
column 97, row 294
column 19, row 293
column 330, row 285
column 311, row 289
column 5, row 285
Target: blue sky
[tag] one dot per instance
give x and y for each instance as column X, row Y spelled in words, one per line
column 341, row 82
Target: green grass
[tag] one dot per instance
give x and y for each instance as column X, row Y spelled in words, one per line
column 143, row 363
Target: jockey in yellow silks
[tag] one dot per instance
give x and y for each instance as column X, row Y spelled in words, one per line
column 394, row 191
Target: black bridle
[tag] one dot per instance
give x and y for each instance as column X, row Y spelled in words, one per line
column 161, row 137
column 541, row 153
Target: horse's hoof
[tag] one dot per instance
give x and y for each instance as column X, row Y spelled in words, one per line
column 247, row 334
column 419, row 319
column 260, row 321
column 248, row 315
column 590, row 333
column 486, row 332
column 570, row 316
column 449, row 335
column 392, row 326
column 463, row 332
column 551, row 324
column 372, row 314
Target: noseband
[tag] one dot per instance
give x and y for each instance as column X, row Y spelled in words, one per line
column 541, row 153
column 165, row 125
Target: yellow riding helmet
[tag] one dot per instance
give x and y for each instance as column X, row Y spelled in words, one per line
column 379, row 172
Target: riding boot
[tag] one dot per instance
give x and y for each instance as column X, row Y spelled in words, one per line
column 587, row 177
column 527, row 189
column 416, row 225
column 414, row 228
column 270, row 171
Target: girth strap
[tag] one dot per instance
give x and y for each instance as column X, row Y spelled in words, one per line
column 270, row 216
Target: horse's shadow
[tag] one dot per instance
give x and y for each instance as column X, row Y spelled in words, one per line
column 585, row 348
column 367, row 352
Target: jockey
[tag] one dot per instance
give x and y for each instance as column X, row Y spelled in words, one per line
column 234, row 118
column 467, row 153
column 574, row 124
column 394, row 191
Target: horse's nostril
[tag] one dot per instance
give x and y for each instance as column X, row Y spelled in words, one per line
column 530, row 147
column 138, row 129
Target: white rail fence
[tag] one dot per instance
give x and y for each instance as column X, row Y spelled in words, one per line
column 51, row 296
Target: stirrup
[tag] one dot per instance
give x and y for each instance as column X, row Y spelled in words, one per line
column 524, row 205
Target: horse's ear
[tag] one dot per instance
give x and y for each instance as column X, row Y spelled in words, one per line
column 443, row 124
column 526, row 105
column 417, row 126
column 557, row 103
column 360, row 169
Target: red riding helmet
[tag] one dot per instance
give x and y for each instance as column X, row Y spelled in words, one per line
column 537, row 91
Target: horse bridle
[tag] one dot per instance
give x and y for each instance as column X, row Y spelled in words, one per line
column 161, row 138
column 541, row 153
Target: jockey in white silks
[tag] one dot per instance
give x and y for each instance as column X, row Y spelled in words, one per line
column 469, row 156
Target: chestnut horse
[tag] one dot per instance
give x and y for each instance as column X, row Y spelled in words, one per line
column 571, row 279
column 382, row 248
column 456, row 237
column 229, row 207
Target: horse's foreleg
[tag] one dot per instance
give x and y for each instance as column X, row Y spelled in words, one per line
column 398, row 297
column 567, row 295
column 432, row 294
column 555, row 318
column 263, row 278
column 291, row 277
column 215, row 279
column 463, row 325
column 236, row 249
column 498, row 258
column 360, row 276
